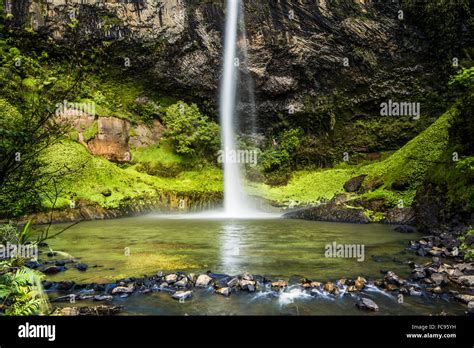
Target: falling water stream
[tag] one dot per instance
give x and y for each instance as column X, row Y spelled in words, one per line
column 236, row 204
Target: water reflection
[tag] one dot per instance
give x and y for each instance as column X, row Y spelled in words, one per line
column 231, row 246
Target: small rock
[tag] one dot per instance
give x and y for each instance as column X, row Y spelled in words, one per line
column 360, row 283
column 181, row 283
column 203, row 281
column 233, row 282
column 247, row 285
column 280, row 284
column 436, row 290
column 414, row 292
column 247, row 276
column 223, row 291
column 351, row 288
column 178, row 295
column 392, row 278
column 367, row 304
column 171, row 278
column 470, row 307
column 53, row 269
column 81, row 267
column 103, row 298
column 418, row 275
column 122, row 290
column 466, row 280
column 65, row 285
column 439, row 279
column 464, row 298
column 32, row 264
column 330, row 287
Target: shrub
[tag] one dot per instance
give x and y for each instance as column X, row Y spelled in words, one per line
column 190, row 132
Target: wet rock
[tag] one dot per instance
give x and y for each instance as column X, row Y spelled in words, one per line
column 392, row 278
column 171, row 278
column 391, row 287
column 417, row 274
column 435, row 251
column 203, row 281
column 351, row 288
column 122, row 290
column 248, row 285
column 455, row 273
column 233, row 282
column 224, row 291
column 466, row 280
column 414, row 292
column 192, row 277
column 32, row 264
column 421, row 252
column 81, row 267
column 280, row 284
column 439, row 279
column 53, row 269
column 367, row 304
column 103, row 298
column 466, row 268
column 464, row 298
column 65, row 285
column 181, row 283
column 436, row 290
column 182, row 295
column 247, row 276
column 470, row 307
column 354, row 184
column 331, row 288
column 47, row 284
column 360, row 283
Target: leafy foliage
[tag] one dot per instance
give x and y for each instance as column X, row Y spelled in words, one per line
column 21, row 291
column 190, row 132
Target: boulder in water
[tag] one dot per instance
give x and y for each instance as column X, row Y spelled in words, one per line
column 367, row 304
column 203, row 281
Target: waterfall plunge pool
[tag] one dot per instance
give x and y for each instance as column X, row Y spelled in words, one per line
column 272, row 247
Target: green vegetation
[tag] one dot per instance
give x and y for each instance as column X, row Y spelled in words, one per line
column 409, row 164
column 94, row 175
column 464, row 247
column 21, row 291
column 190, row 132
column 91, row 132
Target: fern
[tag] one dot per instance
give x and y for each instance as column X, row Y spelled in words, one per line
column 21, row 291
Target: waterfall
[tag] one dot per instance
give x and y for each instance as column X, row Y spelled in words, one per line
column 236, row 203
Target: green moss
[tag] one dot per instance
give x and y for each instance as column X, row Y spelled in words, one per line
column 93, row 175
column 409, row 163
column 91, row 132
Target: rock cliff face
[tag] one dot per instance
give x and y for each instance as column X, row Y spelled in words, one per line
column 300, row 54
